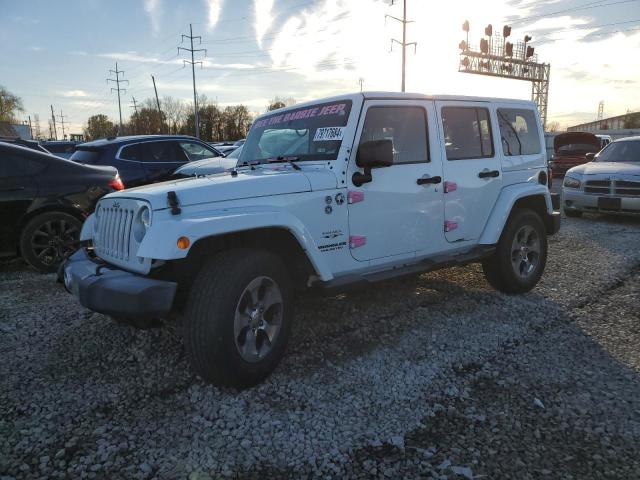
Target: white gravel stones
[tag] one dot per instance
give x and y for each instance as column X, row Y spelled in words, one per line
column 436, row 376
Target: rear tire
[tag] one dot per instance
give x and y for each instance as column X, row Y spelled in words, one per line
column 520, row 256
column 47, row 239
column 572, row 213
column 238, row 317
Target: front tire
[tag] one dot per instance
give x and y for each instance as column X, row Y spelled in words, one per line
column 238, row 317
column 520, row 256
column 48, row 238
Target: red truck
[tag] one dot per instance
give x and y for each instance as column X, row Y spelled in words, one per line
column 570, row 149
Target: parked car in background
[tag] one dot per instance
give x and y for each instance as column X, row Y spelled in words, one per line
column 609, row 184
column 60, row 148
column 43, row 201
column 32, row 144
column 604, row 140
column 240, row 142
column 570, row 150
column 210, row 166
column 226, row 149
column 144, row 159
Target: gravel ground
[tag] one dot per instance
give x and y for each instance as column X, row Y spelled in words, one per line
column 439, row 377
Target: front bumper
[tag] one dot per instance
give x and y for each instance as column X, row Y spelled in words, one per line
column 109, row 290
column 576, row 199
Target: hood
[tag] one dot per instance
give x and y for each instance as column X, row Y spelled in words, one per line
column 575, row 138
column 607, row 168
column 221, row 187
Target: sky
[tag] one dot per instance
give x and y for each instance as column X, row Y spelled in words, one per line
column 60, row 53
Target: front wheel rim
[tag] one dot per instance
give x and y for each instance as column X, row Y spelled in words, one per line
column 54, row 240
column 258, row 319
column 525, row 251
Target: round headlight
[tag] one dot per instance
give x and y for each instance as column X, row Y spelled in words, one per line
column 145, row 217
column 571, row 182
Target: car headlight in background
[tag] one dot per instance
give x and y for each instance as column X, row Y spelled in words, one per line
column 571, row 182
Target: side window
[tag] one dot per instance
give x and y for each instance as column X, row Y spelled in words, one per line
column 197, row 151
column 467, row 133
column 406, row 127
column 163, row 152
column 519, row 132
column 131, row 152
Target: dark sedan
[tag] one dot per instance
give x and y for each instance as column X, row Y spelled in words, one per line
column 144, row 159
column 43, row 201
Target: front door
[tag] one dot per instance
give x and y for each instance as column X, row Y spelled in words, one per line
column 472, row 173
column 400, row 211
column 17, row 191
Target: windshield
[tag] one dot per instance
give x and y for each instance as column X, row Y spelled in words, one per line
column 308, row 133
column 625, row 151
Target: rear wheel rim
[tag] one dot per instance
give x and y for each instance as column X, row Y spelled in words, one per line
column 53, row 240
column 525, row 252
column 258, row 319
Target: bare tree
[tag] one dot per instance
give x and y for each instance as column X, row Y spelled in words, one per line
column 175, row 112
column 10, row 105
column 280, row 102
column 553, row 126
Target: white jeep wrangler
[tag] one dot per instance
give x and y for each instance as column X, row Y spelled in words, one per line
column 341, row 191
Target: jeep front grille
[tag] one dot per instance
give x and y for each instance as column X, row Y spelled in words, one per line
column 602, row 187
column 113, row 238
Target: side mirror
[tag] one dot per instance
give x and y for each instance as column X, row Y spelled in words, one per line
column 590, row 156
column 372, row 154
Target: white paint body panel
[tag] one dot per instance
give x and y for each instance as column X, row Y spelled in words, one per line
column 401, row 220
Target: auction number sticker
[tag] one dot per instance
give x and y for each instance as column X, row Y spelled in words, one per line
column 326, row 134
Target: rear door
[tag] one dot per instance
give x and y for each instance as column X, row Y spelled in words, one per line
column 17, row 191
column 161, row 158
column 471, row 165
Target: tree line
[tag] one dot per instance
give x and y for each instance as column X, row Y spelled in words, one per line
column 176, row 118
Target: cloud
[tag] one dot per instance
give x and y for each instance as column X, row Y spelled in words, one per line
column 136, row 57
column 88, row 103
column 36, row 49
column 264, row 18
column 213, row 7
column 75, row 93
column 80, row 53
column 154, row 10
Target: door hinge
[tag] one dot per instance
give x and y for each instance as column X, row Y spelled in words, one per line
column 356, row 241
column 450, row 225
column 355, row 196
column 450, row 187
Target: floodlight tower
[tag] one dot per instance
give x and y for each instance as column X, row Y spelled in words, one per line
column 496, row 57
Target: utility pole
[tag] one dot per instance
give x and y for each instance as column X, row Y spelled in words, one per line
column 193, row 71
column 30, row 128
column 62, row 122
column 361, row 81
column 157, row 101
column 53, row 118
column 135, row 106
column 36, row 118
column 118, row 81
column 404, row 43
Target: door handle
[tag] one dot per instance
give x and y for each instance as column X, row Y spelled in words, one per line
column 433, row 180
column 486, row 173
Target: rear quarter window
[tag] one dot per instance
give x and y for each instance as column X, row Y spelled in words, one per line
column 519, row 133
column 86, row 156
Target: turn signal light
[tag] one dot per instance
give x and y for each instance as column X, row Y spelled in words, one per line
column 183, row 243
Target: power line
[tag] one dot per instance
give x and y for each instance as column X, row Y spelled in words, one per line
column 404, row 43
column 193, row 71
column 587, row 6
column 53, row 118
column 117, row 81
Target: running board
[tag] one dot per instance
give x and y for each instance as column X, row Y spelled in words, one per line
column 426, row 265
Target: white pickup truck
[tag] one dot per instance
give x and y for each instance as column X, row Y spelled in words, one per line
column 340, row 191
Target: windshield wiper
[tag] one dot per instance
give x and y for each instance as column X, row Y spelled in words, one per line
column 289, row 160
